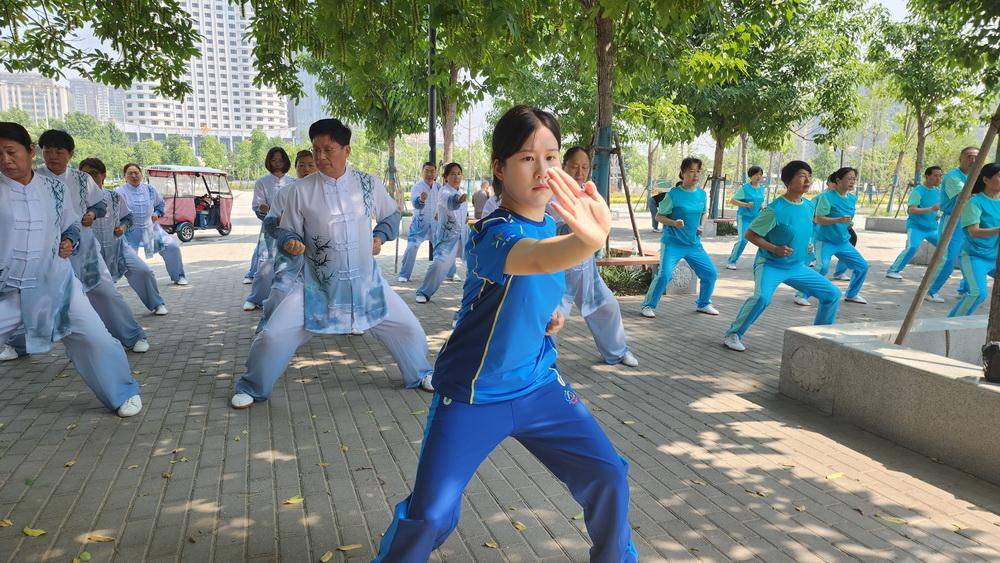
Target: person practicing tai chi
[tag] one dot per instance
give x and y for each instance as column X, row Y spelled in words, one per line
column 834, row 214
column 783, row 234
column 451, row 221
column 981, row 222
column 264, row 191
column 423, row 198
column 586, row 288
column 147, row 207
column 39, row 293
column 496, row 377
column 921, row 220
column 682, row 212
column 327, row 218
column 951, row 185
column 749, row 200
column 119, row 257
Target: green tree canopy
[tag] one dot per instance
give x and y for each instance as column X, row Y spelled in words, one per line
column 214, row 153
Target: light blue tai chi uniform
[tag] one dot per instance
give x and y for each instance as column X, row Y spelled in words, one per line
column 263, row 190
column 786, row 223
column 286, row 269
column 144, row 200
column 40, row 295
column 919, row 227
column 683, row 244
column 835, row 240
column 462, row 213
column 342, row 289
column 422, row 224
column 979, row 254
column 266, row 249
column 119, row 257
column 747, row 193
column 951, row 186
column 447, row 237
column 496, row 377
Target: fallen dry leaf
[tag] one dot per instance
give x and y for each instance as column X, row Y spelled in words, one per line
column 492, row 545
column 698, row 482
column 133, row 467
column 70, row 427
column 520, row 527
column 98, row 538
column 297, row 499
column 33, row 532
column 323, row 464
column 344, row 448
column 800, row 507
column 834, row 476
column 892, row 519
column 628, row 422
column 6, row 523
column 419, row 411
column 326, row 557
column 349, row 547
column 70, row 463
column 579, row 516
column 166, row 475
column 85, row 556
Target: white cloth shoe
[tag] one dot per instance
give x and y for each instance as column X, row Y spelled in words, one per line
column 857, row 299
column 730, row 266
column 801, row 301
column 401, row 279
column 241, row 401
column 160, row 310
column 733, row 342
column 425, row 383
column 181, row 281
column 130, row 407
column 708, row 310
column 894, row 275
column 630, row 360
column 141, row 346
column 456, row 278
column 247, row 280
column 648, row 312
column 248, row 306
column 842, row 277
column 420, row 298
column 934, row 298
column 8, row 353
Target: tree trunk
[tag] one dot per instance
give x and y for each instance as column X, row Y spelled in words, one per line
column 895, row 178
column 720, row 155
column 390, row 174
column 743, row 157
column 651, row 148
column 450, row 116
column 605, row 78
column 918, row 166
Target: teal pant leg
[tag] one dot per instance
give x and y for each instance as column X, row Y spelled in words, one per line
column 810, row 282
column 766, row 281
column 741, row 240
column 669, row 257
column 974, row 271
column 851, row 258
column 703, row 267
column 913, row 239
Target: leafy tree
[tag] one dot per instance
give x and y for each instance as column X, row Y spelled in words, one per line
column 213, row 153
column 147, row 152
column 177, row 150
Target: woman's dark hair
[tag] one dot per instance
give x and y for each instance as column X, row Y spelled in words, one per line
column 930, row 170
column 340, row 133
column 839, row 174
column 572, row 152
column 15, row 132
column 130, row 165
column 689, row 163
column 789, row 170
column 754, row 170
column 284, row 155
column 988, row 171
column 830, row 179
column 95, row 163
column 449, row 167
column 56, row 139
column 514, row 128
column 302, row 154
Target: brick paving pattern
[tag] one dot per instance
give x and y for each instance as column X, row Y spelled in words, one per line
column 722, row 467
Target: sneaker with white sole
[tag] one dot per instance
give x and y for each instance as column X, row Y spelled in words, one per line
column 733, row 342
column 8, row 353
column 401, row 279
column 249, row 306
column 708, row 310
column 856, row 299
column 160, row 310
column 247, row 280
column 730, row 266
column 934, row 298
column 456, row 278
column 181, row 281
column 141, row 346
column 894, row 275
column 421, row 298
column 801, row 301
column 241, row 401
column 842, row 277
column 130, row 407
column 629, row 360
column 425, row 383
column 648, row 312
column 356, row 332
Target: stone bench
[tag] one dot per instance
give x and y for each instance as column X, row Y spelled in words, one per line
column 929, row 396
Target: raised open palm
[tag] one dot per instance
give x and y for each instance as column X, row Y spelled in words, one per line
column 582, row 208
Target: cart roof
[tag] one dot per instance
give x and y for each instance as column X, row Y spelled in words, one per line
column 168, row 169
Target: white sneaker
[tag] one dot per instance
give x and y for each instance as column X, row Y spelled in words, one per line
column 241, row 401
column 8, row 353
column 842, row 277
column 708, row 310
column 247, row 280
column 130, row 407
column 181, row 281
column 894, row 275
column 421, row 298
column 648, row 312
column 356, row 332
column 140, row 346
column 730, row 266
column 802, row 301
column 456, row 278
column 630, row 360
column 401, row 279
column 425, row 383
column 857, row 299
column 248, row 306
column 160, row 310
column 733, row 342
column 934, row 298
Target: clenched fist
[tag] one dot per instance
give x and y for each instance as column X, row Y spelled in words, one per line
column 294, row 247
column 65, row 248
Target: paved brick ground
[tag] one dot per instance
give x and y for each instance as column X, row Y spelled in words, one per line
column 722, row 468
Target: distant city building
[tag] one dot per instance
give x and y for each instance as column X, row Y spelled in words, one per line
column 309, row 108
column 98, row 100
column 42, row 98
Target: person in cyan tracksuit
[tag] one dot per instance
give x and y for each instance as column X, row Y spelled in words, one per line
column 496, row 376
column 981, row 222
column 921, row 220
column 951, row 185
column 783, row 234
column 750, row 200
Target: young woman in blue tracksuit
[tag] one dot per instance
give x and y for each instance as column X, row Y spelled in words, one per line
column 981, row 223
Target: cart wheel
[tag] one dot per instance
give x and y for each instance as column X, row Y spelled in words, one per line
column 224, row 230
column 185, row 232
